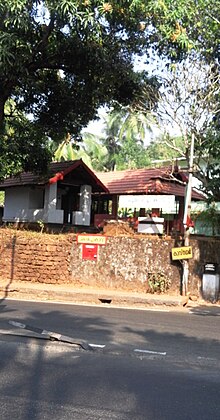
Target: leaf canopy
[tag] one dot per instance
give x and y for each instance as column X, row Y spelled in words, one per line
column 60, row 60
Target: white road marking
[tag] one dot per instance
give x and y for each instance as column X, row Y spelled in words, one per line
column 156, row 310
column 100, row 346
column 162, row 353
column 17, row 324
column 11, row 332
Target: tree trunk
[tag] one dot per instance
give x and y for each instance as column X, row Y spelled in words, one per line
column 2, row 107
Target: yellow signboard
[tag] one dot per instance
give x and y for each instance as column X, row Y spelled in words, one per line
column 91, row 239
column 182, row 253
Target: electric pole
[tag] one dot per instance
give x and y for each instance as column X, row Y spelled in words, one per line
column 187, row 212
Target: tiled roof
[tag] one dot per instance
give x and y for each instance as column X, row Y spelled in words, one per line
column 56, row 171
column 148, row 181
column 130, row 181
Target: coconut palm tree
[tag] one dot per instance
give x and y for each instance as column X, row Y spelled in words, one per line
column 65, row 150
column 97, row 152
column 136, row 125
column 125, row 131
column 120, row 146
column 90, row 151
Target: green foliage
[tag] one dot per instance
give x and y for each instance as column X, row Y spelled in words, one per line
column 60, row 60
column 65, row 150
column 124, row 133
column 90, row 150
column 121, row 146
column 22, row 146
column 132, row 155
column 158, row 149
column 2, row 198
column 93, row 152
column 211, row 152
column 187, row 25
column 158, row 282
column 38, row 42
column 210, row 218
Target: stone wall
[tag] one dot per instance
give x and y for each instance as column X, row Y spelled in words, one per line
column 31, row 256
column 124, row 263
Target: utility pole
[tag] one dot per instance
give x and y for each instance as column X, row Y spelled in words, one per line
column 187, row 212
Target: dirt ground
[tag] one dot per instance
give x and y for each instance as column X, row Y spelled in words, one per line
column 118, row 228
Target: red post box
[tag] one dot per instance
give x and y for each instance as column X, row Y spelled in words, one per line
column 89, row 252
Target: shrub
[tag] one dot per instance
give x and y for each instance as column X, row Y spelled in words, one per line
column 158, row 283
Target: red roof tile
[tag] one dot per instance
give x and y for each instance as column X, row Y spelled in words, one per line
column 145, row 181
column 56, row 171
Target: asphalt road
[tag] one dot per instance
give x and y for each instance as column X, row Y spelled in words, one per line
column 155, row 365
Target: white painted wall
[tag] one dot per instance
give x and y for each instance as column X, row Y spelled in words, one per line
column 19, row 204
column 16, row 204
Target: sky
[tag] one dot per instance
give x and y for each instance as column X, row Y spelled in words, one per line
column 175, row 114
column 96, row 127
column 153, row 65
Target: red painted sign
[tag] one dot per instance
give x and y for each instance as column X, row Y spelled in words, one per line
column 89, row 252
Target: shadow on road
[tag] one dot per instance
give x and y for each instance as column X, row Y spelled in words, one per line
column 45, row 382
column 38, row 381
column 206, row 310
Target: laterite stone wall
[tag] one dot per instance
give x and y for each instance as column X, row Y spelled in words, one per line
column 124, row 263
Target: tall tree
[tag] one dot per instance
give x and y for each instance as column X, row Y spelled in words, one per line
column 189, row 105
column 93, row 152
column 21, row 146
column 90, row 150
column 193, row 25
column 134, row 132
column 159, row 148
column 61, row 59
column 124, row 132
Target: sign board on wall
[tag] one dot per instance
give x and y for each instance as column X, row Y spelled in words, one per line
column 182, row 253
column 83, row 238
column 164, row 202
column 90, row 245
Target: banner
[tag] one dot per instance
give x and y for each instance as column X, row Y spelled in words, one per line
column 165, row 202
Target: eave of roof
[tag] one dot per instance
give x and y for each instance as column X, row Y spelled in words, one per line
column 57, row 171
column 146, row 181
column 71, row 167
